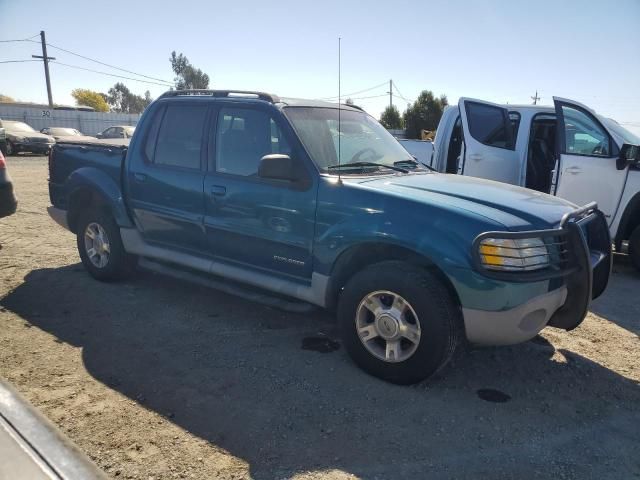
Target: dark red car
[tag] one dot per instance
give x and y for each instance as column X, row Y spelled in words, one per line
column 8, row 202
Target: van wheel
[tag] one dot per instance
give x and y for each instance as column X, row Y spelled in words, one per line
column 399, row 322
column 634, row 247
column 100, row 247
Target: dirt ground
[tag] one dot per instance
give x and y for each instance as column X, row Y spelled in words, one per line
column 158, row 378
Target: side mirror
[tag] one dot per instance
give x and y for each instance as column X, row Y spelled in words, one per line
column 277, row 167
column 629, row 155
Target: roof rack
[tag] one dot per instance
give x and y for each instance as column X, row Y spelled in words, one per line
column 357, row 107
column 267, row 97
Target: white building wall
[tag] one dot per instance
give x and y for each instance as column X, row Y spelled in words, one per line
column 90, row 123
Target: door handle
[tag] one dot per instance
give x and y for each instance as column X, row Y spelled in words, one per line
column 475, row 156
column 573, row 170
column 218, row 190
column 139, row 177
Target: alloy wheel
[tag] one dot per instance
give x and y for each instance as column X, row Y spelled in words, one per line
column 388, row 326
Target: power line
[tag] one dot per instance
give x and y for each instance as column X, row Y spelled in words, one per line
column 400, row 94
column 372, row 96
column 358, row 92
column 90, row 59
column 20, row 39
column 108, row 65
column 108, row 74
column 18, row 61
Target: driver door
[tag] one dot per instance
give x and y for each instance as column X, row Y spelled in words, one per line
column 586, row 159
column 489, row 142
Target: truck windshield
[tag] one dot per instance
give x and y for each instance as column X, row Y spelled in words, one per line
column 18, row 127
column 627, row 136
column 362, row 138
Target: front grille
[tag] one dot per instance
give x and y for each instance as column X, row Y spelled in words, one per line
column 581, row 242
column 38, row 140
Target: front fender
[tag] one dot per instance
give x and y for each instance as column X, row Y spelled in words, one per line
column 104, row 188
column 440, row 233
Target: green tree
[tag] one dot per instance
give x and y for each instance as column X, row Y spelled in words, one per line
column 424, row 113
column 122, row 100
column 89, row 98
column 391, row 118
column 187, row 77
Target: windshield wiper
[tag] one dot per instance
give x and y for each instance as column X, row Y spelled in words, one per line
column 415, row 163
column 367, row 164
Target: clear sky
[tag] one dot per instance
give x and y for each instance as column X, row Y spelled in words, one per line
column 500, row 51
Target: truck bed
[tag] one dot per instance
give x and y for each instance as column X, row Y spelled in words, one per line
column 69, row 156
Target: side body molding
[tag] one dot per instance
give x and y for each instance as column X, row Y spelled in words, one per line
column 314, row 293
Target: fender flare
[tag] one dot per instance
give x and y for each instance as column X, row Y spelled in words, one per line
column 629, row 219
column 104, row 191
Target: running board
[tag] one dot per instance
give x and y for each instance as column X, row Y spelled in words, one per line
column 238, row 290
column 314, row 293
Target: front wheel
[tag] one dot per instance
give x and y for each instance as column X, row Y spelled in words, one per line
column 100, row 247
column 399, row 322
column 634, row 247
column 10, row 149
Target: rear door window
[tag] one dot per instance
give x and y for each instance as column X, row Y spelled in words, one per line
column 180, row 136
column 490, row 125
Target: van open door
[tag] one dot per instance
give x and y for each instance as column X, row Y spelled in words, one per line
column 489, row 142
column 586, row 153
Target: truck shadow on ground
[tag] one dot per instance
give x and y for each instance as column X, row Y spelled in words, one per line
column 618, row 303
column 234, row 373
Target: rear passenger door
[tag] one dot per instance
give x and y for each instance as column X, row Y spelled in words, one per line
column 489, row 142
column 257, row 223
column 166, row 174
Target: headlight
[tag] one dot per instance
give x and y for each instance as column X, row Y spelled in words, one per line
column 18, row 139
column 513, row 255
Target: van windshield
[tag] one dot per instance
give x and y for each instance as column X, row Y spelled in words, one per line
column 362, row 138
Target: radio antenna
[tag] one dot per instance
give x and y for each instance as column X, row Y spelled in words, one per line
column 339, row 111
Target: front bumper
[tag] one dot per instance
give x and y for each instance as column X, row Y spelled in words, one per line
column 580, row 273
column 33, row 147
column 515, row 325
column 59, row 216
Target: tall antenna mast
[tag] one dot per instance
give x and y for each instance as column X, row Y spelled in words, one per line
column 339, row 108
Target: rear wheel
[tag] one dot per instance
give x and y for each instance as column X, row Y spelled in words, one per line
column 399, row 322
column 634, row 247
column 100, row 247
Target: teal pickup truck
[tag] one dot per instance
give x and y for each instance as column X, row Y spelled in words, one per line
column 318, row 202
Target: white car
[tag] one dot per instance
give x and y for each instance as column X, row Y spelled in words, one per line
column 567, row 150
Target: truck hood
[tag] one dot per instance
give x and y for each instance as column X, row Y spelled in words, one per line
column 516, row 208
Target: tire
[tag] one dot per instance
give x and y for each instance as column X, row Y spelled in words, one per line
column 114, row 264
column 10, row 149
column 431, row 307
column 634, row 247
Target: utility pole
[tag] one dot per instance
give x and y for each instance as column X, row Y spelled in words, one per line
column 46, row 59
column 390, row 92
column 535, row 98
